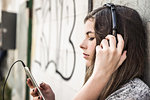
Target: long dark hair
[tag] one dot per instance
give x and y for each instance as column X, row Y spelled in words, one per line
column 130, row 26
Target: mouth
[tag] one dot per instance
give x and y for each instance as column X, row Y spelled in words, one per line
column 85, row 55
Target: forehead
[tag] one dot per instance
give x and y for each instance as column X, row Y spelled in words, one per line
column 89, row 25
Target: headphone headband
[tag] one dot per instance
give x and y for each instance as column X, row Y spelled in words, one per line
column 114, row 21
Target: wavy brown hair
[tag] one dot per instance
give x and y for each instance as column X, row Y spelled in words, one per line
column 130, row 26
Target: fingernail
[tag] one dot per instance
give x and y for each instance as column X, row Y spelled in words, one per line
column 42, row 83
column 39, row 97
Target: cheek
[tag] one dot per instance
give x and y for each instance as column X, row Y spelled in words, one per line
column 93, row 45
column 92, row 48
column 93, row 51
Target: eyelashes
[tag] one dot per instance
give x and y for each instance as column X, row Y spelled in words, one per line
column 92, row 38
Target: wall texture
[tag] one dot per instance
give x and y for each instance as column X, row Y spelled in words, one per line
column 16, row 80
column 57, row 32
column 56, row 56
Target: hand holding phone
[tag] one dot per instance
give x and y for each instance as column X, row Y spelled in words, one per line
column 35, row 85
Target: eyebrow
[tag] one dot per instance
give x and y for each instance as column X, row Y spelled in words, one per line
column 87, row 33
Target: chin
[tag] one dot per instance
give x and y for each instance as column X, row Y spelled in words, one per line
column 88, row 65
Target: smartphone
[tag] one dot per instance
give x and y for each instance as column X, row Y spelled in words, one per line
column 28, row 73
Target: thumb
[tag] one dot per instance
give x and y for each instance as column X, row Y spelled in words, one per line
column 43, row 86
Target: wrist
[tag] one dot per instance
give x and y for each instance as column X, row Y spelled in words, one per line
column 101, row 75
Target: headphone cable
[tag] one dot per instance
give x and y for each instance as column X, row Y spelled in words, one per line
column 9, row 73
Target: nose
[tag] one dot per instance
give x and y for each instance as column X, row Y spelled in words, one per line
column 83, row 45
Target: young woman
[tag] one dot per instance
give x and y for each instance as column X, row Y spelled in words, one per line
column 114, row 69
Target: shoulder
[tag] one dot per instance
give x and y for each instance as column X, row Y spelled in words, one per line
column 133, row 90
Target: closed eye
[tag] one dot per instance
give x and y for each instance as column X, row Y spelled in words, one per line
column 92, row 38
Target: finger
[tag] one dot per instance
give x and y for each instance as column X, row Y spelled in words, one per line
column 44, row 86
column 98, row 48
column 122, row 58
column 37, row 98
column 112, row 41
column 29, row 83
column 104, row 44
column 34, row 92
column 120, row 44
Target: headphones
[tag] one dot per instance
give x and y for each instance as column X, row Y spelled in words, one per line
column 114, row 22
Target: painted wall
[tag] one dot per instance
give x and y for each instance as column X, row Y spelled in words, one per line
column 57, row 32
column 17, row 76
column 56, row 56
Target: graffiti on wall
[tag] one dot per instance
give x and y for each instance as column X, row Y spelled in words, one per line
column 55, row 26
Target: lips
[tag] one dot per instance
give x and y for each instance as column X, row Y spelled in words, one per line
column 85, row 55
